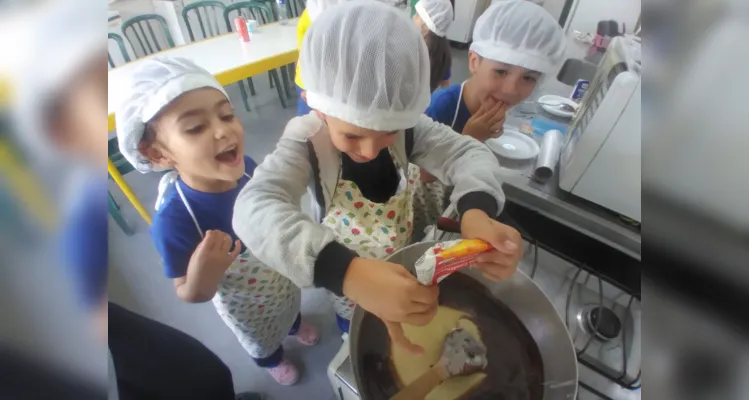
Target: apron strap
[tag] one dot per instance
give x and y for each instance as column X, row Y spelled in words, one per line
column 409, row 142
column 316, row 176
column 164, row 183
column 457, row 107
column 189, row 209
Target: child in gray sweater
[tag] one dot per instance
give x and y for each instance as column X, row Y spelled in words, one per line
column 366, row 71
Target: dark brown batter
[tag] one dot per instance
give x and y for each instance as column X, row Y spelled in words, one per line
column 514, row 370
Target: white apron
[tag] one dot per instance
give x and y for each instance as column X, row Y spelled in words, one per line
column 373, row 230
column 258, row 304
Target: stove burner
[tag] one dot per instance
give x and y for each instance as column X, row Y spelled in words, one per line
column 609, row 325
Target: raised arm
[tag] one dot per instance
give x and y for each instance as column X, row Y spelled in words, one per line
column 462, row 162
column 268, row 217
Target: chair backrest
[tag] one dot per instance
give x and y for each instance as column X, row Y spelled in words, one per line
column 296, row 7
column 292, row 7
column 208, row 15
column 252, row 9
column 147, row 42
column 121, row 44
column 119, row 160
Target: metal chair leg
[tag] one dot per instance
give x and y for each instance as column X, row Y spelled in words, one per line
column 244, row 96
column 252, row 86
column 127, row 191
column 114, row 211
column 279, row 88
column 270, row 79
column 286, row 82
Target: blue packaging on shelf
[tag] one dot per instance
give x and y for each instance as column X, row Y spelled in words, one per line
column 579, row 91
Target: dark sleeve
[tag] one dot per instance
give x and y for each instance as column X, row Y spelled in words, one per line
column 442, row 107
column 331, row 266
column 175, row 237
column 478, row 200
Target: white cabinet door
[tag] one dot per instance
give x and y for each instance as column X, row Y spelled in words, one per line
column 466, row 13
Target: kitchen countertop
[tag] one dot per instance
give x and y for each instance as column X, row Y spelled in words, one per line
column 549, row 200
column 578, row 214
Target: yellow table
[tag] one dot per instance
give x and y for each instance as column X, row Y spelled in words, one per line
column 226, row 57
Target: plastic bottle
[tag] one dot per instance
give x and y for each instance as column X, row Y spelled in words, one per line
column 283, row 19
column 240, row 24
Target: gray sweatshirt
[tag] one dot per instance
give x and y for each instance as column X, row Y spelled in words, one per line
column 268, row 216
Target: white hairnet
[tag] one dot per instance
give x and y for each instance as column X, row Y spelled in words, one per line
column 365, row 63
column 153, row 84
column 45, row 62
column 436, row 14
column 520, row 33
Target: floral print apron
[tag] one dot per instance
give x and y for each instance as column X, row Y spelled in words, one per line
column 258, row 304
column 373, row 230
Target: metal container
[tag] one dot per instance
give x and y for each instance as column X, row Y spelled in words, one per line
column 523, row 297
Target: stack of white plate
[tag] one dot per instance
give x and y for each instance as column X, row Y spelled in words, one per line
column 513, row 145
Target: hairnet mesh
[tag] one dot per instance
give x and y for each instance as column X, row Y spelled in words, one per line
column 520, row 33
column 436, row 14
column 153, row 84
column 365, row 63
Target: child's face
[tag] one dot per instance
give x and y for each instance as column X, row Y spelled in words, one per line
column 198, row 134
column 360, row 144
column 507, row 83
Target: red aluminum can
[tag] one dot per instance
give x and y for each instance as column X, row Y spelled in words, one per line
column 241, row 26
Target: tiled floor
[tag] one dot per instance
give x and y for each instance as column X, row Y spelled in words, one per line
column 137, row 282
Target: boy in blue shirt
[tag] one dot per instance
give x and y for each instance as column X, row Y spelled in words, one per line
column 515, row 43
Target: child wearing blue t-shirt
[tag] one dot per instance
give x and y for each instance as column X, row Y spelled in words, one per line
column 177, row 116
column 515, row 43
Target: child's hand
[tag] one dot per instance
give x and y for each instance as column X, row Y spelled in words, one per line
column 487, row 122
column 501, row 263
column 213, row 252
column 390, row 292
column 207, row 265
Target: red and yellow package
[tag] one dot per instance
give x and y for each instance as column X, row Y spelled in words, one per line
column 445, row 258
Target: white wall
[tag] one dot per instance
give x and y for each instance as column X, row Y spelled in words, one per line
column 585, row 14
column 554, row 7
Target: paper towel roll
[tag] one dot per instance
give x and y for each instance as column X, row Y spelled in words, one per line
column 548, row 154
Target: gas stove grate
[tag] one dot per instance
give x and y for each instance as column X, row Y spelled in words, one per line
column 619, row 378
